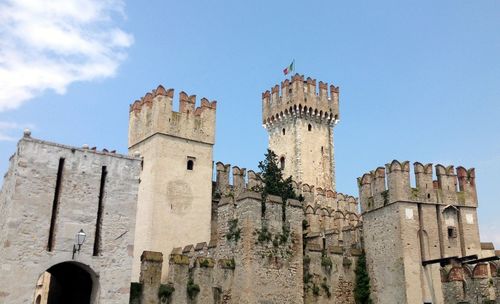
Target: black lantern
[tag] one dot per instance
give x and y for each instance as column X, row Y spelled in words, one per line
column 79, row 239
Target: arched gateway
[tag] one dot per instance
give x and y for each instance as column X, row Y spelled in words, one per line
column 69, row 282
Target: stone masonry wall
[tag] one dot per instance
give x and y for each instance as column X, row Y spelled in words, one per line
column 432, row 221
column 27, row 196
column 252, row 259
column 174, row 206
column 243, row 269
column 300, row 124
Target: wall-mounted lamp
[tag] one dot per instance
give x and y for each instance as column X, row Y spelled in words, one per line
column 79, row 239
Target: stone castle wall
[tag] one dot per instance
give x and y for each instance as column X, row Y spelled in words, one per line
column 27, row 201
column 252, row 259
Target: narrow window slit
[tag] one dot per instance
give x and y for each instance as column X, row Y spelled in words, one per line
column 100, row 207
column 55, row 205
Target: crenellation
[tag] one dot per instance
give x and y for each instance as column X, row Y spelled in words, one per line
column 299, row 97
column 239, row 180
column 254, row 180
column 398, row 182
column 226, row 240
column 424, row 182
column 387, row 185
column 154, row 113
column 467, row 186
column 447, row 185
column 379, row 187
column 222, row 178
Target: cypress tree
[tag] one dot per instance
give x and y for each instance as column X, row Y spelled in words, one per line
column 362, row 287
column 274, row 183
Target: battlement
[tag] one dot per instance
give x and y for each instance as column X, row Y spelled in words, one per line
column 153, row 113
column 302, row 98
column 315, row 197
column 384, row 186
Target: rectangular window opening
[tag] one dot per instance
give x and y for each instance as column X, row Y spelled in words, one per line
column 100, row 207
column 55, row 205
column 452, row 232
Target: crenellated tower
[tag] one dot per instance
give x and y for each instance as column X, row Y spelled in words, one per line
column 299, row 116
column 174, row 203
column 424, row 226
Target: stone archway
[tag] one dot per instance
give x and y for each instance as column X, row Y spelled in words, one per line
column 70, row 282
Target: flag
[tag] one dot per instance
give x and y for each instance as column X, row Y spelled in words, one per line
column 289, row 68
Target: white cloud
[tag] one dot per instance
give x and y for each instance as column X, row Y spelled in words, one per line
column 47, row 45
column 10, row 131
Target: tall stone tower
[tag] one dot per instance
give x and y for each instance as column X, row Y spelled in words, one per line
column 299, row 118
column 174, row 201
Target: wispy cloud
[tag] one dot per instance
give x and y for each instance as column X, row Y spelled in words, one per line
column 47, row 45
column 7, row 130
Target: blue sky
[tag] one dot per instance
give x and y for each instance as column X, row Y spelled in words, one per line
column 419, row 80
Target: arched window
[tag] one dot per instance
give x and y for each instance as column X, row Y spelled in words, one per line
column 190, row 164
column 282, row 162
column 309, row 128
column 283, row 131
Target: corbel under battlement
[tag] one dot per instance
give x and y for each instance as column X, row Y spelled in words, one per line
column 301, row 98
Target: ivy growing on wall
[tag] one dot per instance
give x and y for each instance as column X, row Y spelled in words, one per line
column 234, row 232
column 164, row 292
column 135, row 292
column 192, row 289
column 362, row 284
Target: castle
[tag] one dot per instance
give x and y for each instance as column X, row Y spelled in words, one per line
column 86, row 226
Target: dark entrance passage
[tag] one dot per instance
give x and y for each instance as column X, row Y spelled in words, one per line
column 69, row 283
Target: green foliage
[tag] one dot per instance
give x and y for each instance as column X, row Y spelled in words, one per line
column 135, row 291
column 285, row 233
column 326, row 288
column 326, row 262
column 165, row 291
column 263, row 235
column 192, row 289
column 274, row 183
column 206, row 262
column 315, row 290
column 489, row 302
column 362, row 284
column 307, row 277
column 227, row 263
column 234, row 231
